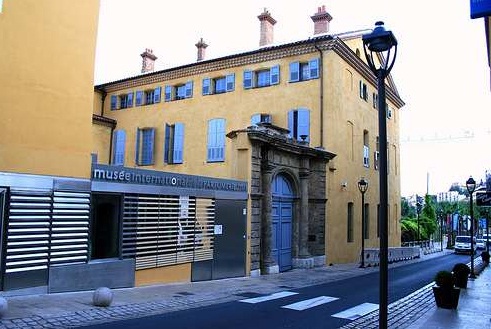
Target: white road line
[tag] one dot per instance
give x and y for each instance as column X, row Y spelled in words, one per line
column 276, row 295
column 308, row 303
column 357, row 311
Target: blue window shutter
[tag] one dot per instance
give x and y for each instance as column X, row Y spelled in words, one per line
column 148, row 137
column 178, row 142
column 137, row 146
column 216, row 140
column 291, row 123
column 255, row 119
column 189, row 89
column 211, row 140
column 119, row 145
column 314, row 68
column 167, row 143
column 130, row 100
column 275, row 75
column 168, row 93
column 114, row 102
column 156, row 95
column 303, row 124
column 230, row 78
column 294, row 71
column 139, row 98
column 247, row 79
column 206, row 86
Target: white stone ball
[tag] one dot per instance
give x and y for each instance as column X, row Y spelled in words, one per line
column 102, row 296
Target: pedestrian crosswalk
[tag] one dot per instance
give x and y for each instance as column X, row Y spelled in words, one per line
column 351, row 313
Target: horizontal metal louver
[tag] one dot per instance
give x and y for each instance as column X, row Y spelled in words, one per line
column 28, row 231
column 70, row 227
column 161, row 230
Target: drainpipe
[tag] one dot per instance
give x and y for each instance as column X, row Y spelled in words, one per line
column 104, row 94
column 321, row 100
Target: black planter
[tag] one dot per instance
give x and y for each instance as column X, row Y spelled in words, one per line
column 461, row 280
column 485, row 258
column 446, row 297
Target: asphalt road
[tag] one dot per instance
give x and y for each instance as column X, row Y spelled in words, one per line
column 329, row 305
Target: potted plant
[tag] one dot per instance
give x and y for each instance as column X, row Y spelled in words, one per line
column 461, row 273
column 485, row 258
column 445, row 293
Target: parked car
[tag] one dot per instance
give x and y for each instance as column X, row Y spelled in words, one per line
column 480, row 244
column 463, row 244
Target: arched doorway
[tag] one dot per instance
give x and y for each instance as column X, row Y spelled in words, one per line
column 282, row 219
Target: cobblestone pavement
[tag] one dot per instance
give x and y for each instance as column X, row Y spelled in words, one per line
column 47, row 311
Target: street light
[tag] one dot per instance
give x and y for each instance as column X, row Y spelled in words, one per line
column 440, row 213
column 363, row 187
column 380, row 43
column 418, row 212
column 471, row 186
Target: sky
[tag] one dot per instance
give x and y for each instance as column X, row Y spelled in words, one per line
column 441, row 70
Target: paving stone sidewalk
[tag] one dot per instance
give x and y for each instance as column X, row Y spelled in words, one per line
column 71, row 310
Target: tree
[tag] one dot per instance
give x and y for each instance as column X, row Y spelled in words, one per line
column 406, row 209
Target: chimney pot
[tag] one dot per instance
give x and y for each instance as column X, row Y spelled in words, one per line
column 267, row 23
column 201, row 45
column 148, row 60
column 321, row 20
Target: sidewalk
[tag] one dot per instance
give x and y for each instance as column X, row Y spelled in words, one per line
column 473, row 311
column 64, row 310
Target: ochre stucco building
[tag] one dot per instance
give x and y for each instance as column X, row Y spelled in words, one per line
column 242, row 165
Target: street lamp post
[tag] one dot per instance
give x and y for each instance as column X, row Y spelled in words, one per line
column 471, row 186
column 378, row 44
column 441, row 230
column 418, row 212
column 362, row 186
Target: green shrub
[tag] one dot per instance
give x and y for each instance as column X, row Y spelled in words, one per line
column 444, row 279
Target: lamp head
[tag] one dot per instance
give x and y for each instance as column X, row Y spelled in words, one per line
column 379, row 40
column 471, row 185
column 362, row 185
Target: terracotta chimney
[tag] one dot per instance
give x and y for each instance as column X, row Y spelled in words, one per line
column 321, row 20
column 267, row 23
column 201, row 45
column 148, row 60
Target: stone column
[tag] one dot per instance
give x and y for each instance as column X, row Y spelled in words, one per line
column 304, row 215
column 268, row 265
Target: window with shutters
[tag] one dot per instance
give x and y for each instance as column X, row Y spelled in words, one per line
column 216, row 140
column 218, row 85
column 263, row 77
column 366, row 149
column 299, row 124
column 119, row 145
column 126, row 100
column 363, row 89
column 178, row 91
column 303, row 71
column 174, row 143
column 144, row 146
column 152, row 96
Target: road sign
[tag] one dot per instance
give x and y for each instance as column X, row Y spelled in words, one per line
column 483, row 199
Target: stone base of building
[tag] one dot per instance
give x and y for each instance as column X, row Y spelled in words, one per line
column 273, row 269
column 319, row 261
column 303, row 262
column 255, row 273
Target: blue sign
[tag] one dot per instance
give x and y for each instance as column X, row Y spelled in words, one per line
column 480, row 8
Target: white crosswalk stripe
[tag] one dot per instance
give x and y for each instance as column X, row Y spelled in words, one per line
column 352, row 313
column 276, row 295
column 357, row 311
column 309, row 303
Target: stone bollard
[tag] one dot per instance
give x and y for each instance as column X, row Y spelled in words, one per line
column 3, row 307
column 102, row 296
